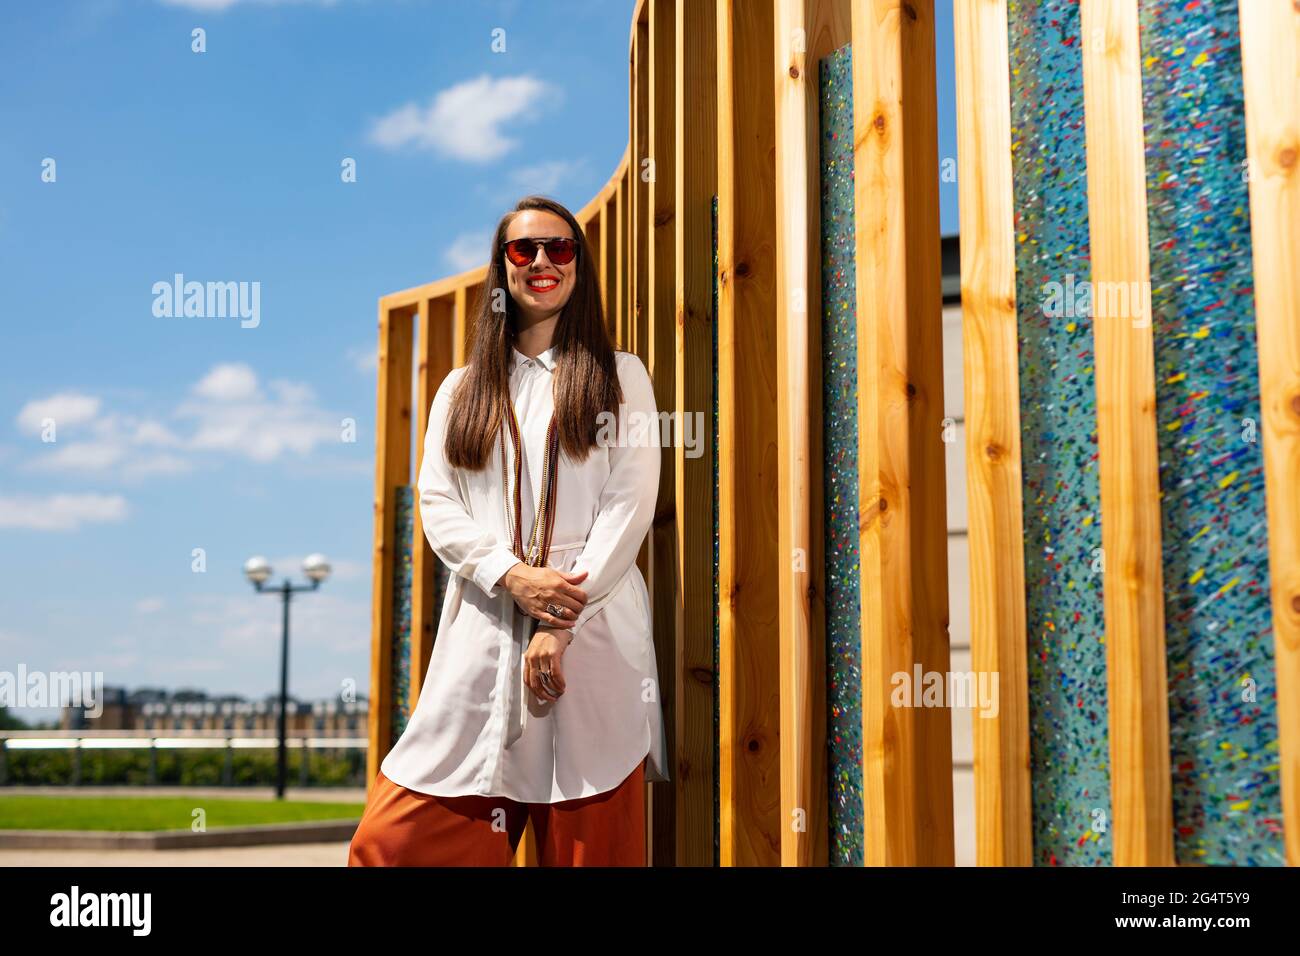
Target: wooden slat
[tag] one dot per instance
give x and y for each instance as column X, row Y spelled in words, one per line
column 434, row 361
column 907, row 751
column 411, row 298
column 1141, row 811
column 661, row 343
column 392, row 468
column 619, row 318
column 1003, row 807
column 609, row 260
column 696, row 167
column 640, row 237
column 620, row 259
column 1270, row 55
column 595, row 233
column 460, row 328
column 806, row 31
column 749, row 652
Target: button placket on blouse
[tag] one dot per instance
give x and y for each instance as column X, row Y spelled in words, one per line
column 504, row 691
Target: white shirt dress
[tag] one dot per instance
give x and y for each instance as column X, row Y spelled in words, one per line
column 477, row 728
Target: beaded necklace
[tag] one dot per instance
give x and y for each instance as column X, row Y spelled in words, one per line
column 539, row 541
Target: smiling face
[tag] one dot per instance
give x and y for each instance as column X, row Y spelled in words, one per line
column 541, row 288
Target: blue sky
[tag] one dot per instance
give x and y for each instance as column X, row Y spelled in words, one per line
column 179, row 433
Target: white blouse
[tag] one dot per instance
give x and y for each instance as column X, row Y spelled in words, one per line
column 477, row 728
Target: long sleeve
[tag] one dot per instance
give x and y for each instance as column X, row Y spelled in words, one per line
column 627, row 500
column 464, row 546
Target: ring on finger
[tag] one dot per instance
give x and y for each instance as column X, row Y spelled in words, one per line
column 554, row 610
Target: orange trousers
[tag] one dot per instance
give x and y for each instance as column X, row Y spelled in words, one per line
column 402, row 827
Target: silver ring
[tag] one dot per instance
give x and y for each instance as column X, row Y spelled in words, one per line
column 554, row 611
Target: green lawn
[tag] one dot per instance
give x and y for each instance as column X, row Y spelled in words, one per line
column 159, row 813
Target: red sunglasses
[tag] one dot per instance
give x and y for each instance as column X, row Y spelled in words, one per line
column 522, row 252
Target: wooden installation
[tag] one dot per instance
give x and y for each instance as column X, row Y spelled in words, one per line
column 769, row 245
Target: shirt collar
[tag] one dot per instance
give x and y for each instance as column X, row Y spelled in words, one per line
column 545, row 359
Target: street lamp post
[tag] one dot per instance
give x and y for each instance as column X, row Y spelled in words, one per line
column 258, row 571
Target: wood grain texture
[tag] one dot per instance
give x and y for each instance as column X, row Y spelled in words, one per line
column 1142, row 812
column 749, row 632
column 641, row 149
column 435, row 325
column 696, row 169
column 1270, row 55
column 1003, row 803
column 907, row 751
column 806, row 31
column 392, row 468
column 661, row 344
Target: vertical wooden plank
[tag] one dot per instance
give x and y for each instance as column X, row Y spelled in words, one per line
column 619, row 320
column 661, row 344
column 460, row 329
column 641, row 227
column 1003, row 806
column 434, row 361
column 609, row 260
column 907, row 750
column 1270, row 55
column 749, row 649
column 805, row 31
column 696, row 167
column 594, row 229
column 1142, row 825
column 793, row 409
column 392, row 468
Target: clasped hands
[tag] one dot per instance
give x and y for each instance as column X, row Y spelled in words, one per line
column 533, row 589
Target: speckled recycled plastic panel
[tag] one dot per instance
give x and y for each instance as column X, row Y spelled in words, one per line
column 1214, row 533
column 840, row 462
column 404, row 529
column 1068, row 715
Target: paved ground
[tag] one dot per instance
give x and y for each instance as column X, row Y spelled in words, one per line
column 305, row 854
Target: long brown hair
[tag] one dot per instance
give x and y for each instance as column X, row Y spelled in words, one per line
column 586, row 377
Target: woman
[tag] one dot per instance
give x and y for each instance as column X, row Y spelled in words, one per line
column 541, row 701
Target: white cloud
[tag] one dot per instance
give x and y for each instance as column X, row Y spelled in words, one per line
column 81, row 456
column 468, row 250
column 545, row 177
column 464, row 122
column 232, row 381
column 149, row 605
column 293, row 393
column 60, row 512
column 231, row 414
column 227, row 411
column 153, row 433
column 66, row 408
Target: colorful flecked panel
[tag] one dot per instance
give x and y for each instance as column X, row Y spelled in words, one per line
column 1214, row 529
column 404, row 529
column 840, row 461
column 1069, row 747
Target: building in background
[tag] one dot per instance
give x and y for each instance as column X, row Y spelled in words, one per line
column 190, row 711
